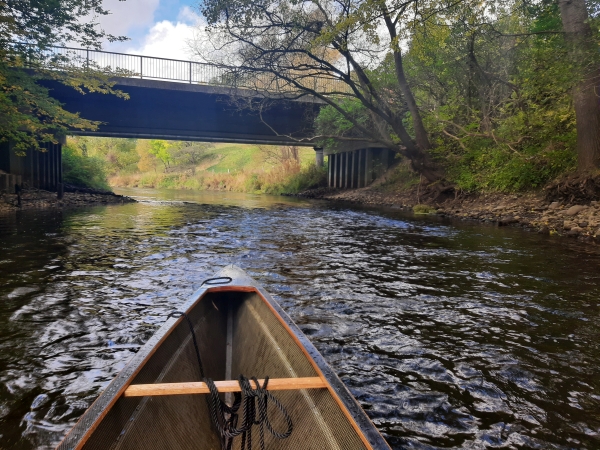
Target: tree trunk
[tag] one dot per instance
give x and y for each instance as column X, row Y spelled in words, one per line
column 420, row 132
column 422, row 164
column 587, row 107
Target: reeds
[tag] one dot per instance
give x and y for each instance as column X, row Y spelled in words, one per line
column 287, row 177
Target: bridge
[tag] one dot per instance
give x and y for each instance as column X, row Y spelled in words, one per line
column 180, row 100
column 186, row 100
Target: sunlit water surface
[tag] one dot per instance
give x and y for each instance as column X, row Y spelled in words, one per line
column 449, row 335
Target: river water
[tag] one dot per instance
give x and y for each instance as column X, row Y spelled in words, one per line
column 450, row 335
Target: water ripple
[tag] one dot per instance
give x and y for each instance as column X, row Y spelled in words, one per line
column 449, row 336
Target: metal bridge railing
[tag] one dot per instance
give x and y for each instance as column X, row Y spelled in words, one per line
column 153, row 68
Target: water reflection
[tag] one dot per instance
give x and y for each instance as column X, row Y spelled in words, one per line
column 449, row 336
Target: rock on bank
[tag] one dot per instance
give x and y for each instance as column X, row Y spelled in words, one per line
column 36, row 199
column 532, row 210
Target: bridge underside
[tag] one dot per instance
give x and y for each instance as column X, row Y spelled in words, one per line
column 188, row 112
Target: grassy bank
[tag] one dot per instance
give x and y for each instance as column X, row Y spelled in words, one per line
column 285, row 179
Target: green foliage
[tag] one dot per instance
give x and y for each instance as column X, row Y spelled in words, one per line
column 160, row 149
column 253, row 183
column 119, row 155
column 498, row 99
column 493, row 82
column 82, row 170
column 330, row 122
column 495, row 169
column 28, row 115
column 423, row 209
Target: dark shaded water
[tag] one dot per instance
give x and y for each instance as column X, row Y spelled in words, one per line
column 449, row 336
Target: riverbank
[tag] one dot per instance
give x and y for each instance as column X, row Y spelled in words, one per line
column 576, row 219
column 40, row 199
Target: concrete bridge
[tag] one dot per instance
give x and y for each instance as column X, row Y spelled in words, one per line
column 188, row 101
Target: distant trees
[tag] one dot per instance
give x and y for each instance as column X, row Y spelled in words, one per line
column 127, row 156
column 147, row 162
column 178, row 153
column 119, row 155
column 281, row 154
column 186, row 153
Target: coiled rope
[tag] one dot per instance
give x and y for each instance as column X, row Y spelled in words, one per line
column 252, row 400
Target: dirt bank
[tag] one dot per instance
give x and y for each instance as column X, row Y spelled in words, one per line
column 36, row 199
column 578, row 219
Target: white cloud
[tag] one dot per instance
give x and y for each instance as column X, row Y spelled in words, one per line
column 166, row 40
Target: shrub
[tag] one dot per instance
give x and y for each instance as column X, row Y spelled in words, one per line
column 294, row 179
column 85, row 171
column 252, row 183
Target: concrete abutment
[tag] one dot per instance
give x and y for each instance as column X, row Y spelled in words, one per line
column 39, row 169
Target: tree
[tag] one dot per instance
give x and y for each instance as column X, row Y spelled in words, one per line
column 283, row 154
column 330, row 50
column 187, row 153
column 83, row 170
column 160, row 149
column 584, row 57
column 147, row 161
column 28, row 29
column 120, row 155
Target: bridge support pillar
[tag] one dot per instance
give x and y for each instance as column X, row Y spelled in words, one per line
column 6, row 184
column 318, row 156
column 360, row 174
column 354, row 179
column 358, row 168
column 338, row 170
column 346, row 171
column 368, row 168
column 348, row 165
column 62, row 140
column 333, row 169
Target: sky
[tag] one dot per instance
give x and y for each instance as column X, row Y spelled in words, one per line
column 155, row 27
